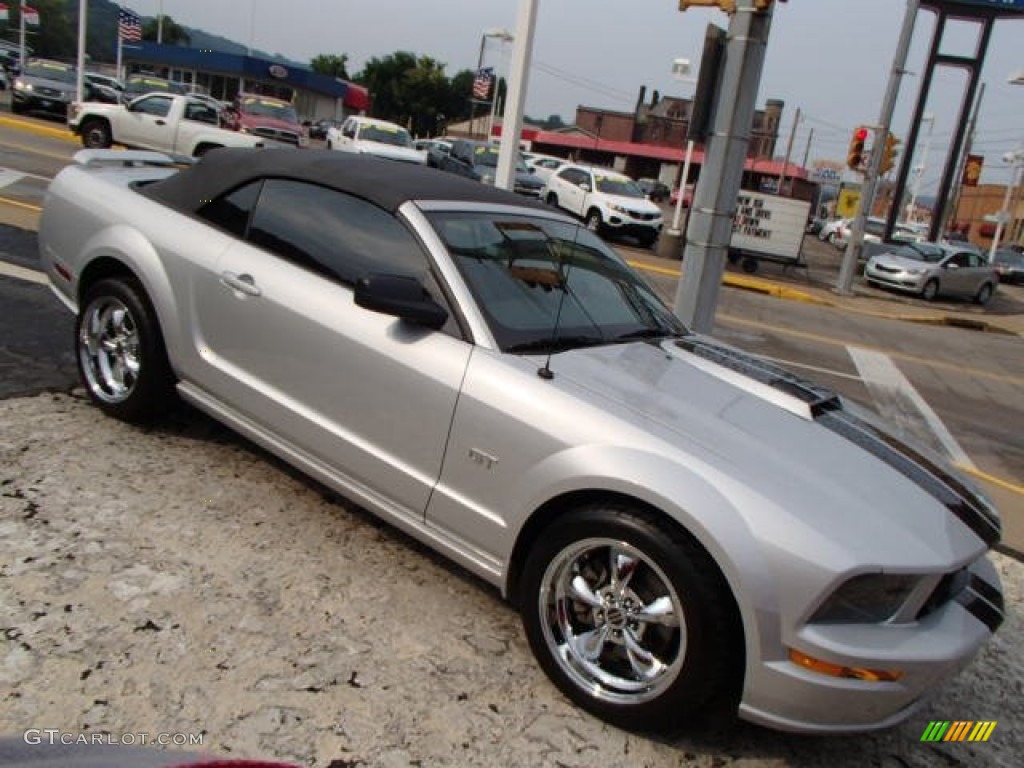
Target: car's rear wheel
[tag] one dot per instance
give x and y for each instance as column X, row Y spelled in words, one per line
column 96, row 134
column 984, row 294
column 629, row 618
column 930, row 290
column 121, row 355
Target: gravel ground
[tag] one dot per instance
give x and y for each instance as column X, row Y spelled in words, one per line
column 179, row 580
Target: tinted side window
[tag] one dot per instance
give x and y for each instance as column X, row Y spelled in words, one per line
column 155, row 105
column 332, row 233
column 232, row 211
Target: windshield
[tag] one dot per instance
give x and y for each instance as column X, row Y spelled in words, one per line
column 51, row 71
column 152, row 84
column 921, row 252
column 385, row 134
column 270, row 108
column 617, row 185
column 488, row 156
column 546, row 285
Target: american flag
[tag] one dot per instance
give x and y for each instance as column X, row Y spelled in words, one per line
column 482, row 83
column 31, row 16
column 129, row 25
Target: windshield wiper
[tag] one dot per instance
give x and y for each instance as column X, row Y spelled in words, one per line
column 648, row 333
column 558, row 344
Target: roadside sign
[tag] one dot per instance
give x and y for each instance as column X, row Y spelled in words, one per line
column 848, row 202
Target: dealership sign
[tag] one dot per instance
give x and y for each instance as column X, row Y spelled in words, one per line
column 276, row 70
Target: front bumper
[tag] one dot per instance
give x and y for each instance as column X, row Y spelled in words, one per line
column 900, row 280
column 784, row 695
column 29, row 101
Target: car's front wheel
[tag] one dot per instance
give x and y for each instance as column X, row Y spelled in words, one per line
column 121, row 355
column 629, row 617
column 984, row 294
column 930, row 290
column 594, row 220
column 96, row 134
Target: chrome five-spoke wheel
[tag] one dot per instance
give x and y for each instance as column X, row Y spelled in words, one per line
column 120, row 351
column 614, row 622
column 630, row 617
column 108, row 349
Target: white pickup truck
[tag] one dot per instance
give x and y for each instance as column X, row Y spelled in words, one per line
column 170, row 123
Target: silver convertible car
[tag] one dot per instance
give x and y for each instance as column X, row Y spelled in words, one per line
column 680, row 524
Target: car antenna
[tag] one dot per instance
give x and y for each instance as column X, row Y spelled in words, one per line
column 545, row 371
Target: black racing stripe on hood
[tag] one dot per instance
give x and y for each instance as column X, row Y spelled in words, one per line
column 826, row 408
column 984, row 602
column 818, row 398
column 916, row 466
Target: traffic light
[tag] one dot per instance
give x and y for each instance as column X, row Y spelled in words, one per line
column 855, row 157
column 889, row 154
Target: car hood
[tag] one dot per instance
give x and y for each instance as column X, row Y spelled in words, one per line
column 46, row 82
column 641, row 205
column 262, row 121
column 390, row 151
column 820, row 461
column 901, row 262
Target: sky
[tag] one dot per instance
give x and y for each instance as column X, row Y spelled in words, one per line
column 830, row 58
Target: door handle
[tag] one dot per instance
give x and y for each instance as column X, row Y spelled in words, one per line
column 161, row 122
column 241, row 283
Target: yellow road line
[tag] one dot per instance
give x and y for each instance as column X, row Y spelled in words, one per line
column 667, row 271
column 19, row 204
column 34, row 151
column 1004, row 484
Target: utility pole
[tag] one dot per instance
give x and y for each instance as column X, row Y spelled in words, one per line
column 844, row 285
column 714, row 202
column 807, row 149
column 789, row 151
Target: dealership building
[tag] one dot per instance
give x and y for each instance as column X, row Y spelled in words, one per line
column 223, row 75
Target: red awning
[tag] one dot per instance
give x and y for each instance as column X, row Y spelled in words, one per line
column 356, row 97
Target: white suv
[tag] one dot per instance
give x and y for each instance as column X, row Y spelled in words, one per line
column 608, row 201
column 367, row 136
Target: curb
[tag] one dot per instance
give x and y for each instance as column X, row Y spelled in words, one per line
column 32, row 127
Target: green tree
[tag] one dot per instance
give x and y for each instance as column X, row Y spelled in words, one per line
column 334, row 65
column 410, row 90
column 172, row 33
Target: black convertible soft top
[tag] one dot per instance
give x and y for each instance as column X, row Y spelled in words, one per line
column 385, row 183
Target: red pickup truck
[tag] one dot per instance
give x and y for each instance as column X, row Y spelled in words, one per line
column 267, row 117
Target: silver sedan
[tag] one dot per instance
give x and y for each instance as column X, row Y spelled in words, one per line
column 679, row 523
column 931, row 270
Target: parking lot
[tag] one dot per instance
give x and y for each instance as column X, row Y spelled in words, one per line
column 180, row 580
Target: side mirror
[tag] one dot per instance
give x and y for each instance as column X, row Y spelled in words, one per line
column 400, row 296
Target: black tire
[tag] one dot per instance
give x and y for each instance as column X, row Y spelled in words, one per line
column 552, row 199
column 984, row 294
column 16, row 107
column 930, row 290
column 749, row 265
column 120, row 352
column 330, row 145
column 594, row 221
column 96, row 134
column 665, row 574
column 648, row 241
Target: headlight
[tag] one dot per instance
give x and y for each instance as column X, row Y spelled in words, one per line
column 20, row 86
column 243, row 129
column 914, row 271
column 870, row 598
column 617, row 208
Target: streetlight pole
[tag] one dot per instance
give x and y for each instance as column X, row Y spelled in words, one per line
column 919, row 170
column 1016, row 160
column 789, row 152
column 501, row 34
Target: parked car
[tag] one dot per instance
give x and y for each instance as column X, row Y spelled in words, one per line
column 544, row 165
column 44, row 86
column 678, row 522
column 318, row 128
column 606, row 200
column 478, row 160
column 1009, row 265
column 433, row 150
column 266, row 117
column 140, row 84
column 102, row 88
column 931, row 270
column 379, row 138
column 832, row 231
column 656, row 191
column 673, row 198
